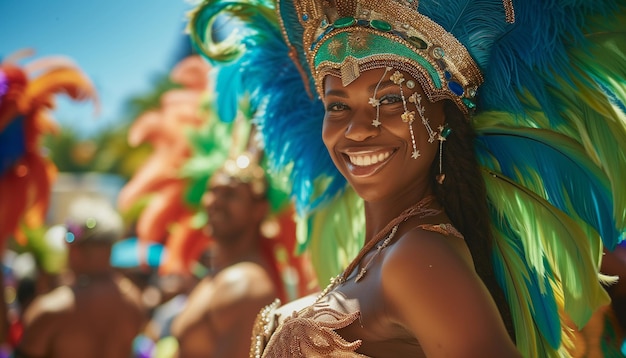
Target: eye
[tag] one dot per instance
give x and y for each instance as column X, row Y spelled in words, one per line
column 336, row 107
column 390, row 99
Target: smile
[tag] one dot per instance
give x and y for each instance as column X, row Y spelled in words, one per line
column 367, row 162
column 363, row 160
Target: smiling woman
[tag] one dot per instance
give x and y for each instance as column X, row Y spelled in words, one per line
column 366, row 135
column 485, row 204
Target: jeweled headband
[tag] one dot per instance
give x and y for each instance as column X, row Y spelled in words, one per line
column 244, row 169
column 348, row 37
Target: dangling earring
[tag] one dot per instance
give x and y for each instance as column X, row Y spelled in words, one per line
column 416, row 99
column 375, row 102
column 444, row 132
column 407, row 116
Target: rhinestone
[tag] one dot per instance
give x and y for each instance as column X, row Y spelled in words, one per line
column 446, row 132
column 417, row 42
column 401, row 35
column 469, row 104
column 456, row 88
column 438, row 52
column 305, row 17
column 381, row 25
column 344, row 22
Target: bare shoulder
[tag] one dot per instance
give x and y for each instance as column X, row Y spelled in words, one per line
column 54, row 303
column 248, row 271
column 425, row 266
column 242, row 281
column 431, row 288
column 42, row 319
column 427, row 255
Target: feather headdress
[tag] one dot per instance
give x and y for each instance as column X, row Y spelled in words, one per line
column 548, row 106
column 26, row 100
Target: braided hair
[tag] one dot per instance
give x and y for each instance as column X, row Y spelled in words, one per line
column 463, row 196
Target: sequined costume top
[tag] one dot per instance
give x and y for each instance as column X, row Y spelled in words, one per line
column 311, row 332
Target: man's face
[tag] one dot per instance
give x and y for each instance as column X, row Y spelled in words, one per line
column 233, row 210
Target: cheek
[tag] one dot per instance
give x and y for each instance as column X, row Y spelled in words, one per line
column 330, row 133
column 397, row 127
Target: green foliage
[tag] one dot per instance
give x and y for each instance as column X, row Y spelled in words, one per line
column 108, row 151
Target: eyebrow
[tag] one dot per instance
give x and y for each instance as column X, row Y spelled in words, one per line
column 342, row 93
column 338, row 93
column 382, row 85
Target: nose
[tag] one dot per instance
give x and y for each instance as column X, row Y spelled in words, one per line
column 361, row 128
column 209, row 200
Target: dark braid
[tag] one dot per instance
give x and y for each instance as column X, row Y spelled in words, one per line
column 463, row 196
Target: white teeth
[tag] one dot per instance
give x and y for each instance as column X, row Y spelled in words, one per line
column 371, row 159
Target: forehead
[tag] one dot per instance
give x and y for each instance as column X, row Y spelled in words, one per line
column 368, row 81
column 225, row 182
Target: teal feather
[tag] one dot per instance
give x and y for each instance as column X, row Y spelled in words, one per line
column 294, row 41
column 558, row 245
column 555, row 168
column 279, row 100
column 521, row 286
column 476, row 23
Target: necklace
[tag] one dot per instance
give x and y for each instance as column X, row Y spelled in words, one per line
column 420, row 209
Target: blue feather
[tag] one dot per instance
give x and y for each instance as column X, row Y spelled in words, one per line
column 290, row 122
column 542, row 303
column 228, row 89
column 567, row 176
column 12, row 143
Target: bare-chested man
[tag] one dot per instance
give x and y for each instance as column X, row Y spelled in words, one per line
column 218, row 318
column 100, row 313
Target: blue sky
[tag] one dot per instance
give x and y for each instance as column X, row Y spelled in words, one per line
column 122, row 45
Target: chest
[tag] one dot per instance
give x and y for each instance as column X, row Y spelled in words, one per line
column 381, row 334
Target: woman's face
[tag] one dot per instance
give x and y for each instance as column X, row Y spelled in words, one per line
column 378, row 161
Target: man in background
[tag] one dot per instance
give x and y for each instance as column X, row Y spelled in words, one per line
column 99, row 313
column 220, row 312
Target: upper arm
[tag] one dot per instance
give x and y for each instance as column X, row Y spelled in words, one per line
column 195, row 311
column 244, row 290
column 220, row 313
column 39, row 327
column 431, row 289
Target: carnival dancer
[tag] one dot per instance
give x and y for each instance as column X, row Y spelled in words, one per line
column 485, row 141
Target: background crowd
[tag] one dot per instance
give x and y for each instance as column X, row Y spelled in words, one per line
column 168, row 231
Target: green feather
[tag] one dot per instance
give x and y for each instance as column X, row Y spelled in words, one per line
column 531, row 342
column 335, row 234
column 572, row 251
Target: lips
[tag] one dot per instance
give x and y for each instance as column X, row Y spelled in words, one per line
column 367, row 162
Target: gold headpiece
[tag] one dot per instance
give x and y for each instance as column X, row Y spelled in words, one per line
column 245, row 169
column 346, row 37
column 243, row 163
